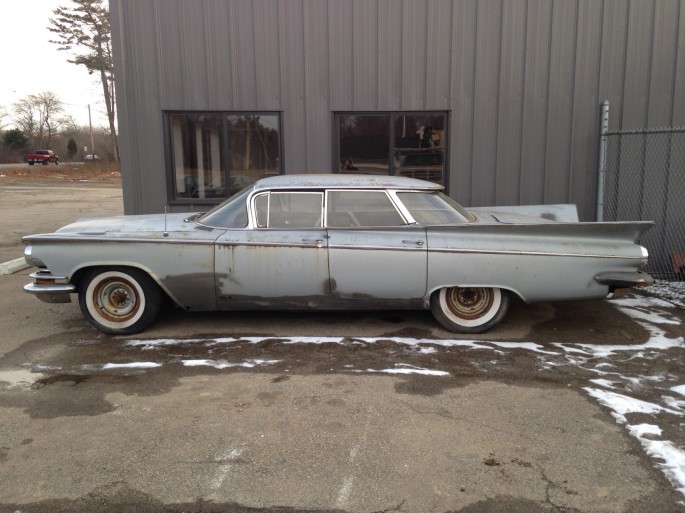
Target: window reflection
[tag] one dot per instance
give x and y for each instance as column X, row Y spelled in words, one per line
column 403, row 144
column 198, row 156
column 419, row 146
column 253, row 149
column 216, row 155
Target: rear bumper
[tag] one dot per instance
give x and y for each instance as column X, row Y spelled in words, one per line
column 622, row 280
column 49, row 288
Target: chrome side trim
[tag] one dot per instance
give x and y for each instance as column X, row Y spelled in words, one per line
column 529, row 253
column 411, row 246
column 313, row 244
column 123, row 239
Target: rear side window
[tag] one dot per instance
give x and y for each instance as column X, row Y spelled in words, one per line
column 433, row 208
column 361, row 208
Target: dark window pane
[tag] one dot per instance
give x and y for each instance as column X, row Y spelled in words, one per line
column 364, row 143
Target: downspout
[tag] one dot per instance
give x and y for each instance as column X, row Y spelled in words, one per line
column 604, row 130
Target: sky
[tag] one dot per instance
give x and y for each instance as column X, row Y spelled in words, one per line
column 30, row 64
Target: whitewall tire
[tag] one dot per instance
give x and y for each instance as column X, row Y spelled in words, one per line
column 469, row 309
column 119, row 301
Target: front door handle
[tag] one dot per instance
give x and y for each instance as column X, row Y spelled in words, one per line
column 318, row 242
column 419, row 243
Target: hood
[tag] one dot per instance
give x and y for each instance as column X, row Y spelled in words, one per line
column 128, row 225
column 527, row 214
column 179, row 227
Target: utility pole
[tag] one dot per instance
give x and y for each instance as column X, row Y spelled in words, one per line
column 92, row 142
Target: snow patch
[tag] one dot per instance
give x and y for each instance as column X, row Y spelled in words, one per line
column 134, row 365
column 223, row 364
column 622, row 404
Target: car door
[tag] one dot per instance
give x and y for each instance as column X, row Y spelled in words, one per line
column 372, row 252
column 282, row 258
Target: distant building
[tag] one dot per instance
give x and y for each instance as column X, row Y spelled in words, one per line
column 499, row 100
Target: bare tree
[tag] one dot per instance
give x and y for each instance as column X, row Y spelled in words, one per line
column 26, row 118
column 3, row 117
column 40, row 116
column 49, row 109
column 85, row 27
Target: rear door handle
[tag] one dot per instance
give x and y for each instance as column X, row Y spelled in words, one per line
column 419, row 243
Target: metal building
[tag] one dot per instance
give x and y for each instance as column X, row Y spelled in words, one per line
column 497, row 99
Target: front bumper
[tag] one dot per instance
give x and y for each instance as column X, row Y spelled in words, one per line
column 49, row 288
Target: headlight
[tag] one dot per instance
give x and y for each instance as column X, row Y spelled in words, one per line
column 30, row 259
column 645, row 255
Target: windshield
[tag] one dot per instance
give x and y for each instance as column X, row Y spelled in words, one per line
column 434, row 208
column 232, row 213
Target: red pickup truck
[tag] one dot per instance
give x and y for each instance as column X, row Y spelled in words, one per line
column 44, row 157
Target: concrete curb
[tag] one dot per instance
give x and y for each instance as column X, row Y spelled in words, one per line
column 13, row 266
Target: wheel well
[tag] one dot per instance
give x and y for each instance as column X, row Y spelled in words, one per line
column 512, row 292
column 78, row 276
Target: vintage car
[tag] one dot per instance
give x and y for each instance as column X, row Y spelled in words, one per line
column 332, row 242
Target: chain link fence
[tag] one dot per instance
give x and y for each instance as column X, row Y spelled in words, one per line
column 645, row 180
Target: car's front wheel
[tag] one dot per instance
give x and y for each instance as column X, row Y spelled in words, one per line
column 119, row 301
column 469, row 309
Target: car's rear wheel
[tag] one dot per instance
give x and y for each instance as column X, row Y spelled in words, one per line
column 119, row 301
column 469, row 309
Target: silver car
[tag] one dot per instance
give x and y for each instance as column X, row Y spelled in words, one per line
column 334, row 242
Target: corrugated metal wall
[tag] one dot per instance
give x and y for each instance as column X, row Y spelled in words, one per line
column 523, row 81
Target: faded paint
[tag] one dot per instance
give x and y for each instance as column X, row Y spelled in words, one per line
column 362, row 267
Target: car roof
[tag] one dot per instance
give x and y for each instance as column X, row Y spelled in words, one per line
column 344, row 181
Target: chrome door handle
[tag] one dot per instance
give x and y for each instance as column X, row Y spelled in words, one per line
column 419, row 243
column 318, row 242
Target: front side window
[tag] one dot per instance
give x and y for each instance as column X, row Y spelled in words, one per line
column 403, row 144
column 215, row 155
column 361, row 208
column 289, row 210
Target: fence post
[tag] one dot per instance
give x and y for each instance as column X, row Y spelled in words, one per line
column 604, row 129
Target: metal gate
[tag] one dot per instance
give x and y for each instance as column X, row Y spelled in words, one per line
column 642, row 177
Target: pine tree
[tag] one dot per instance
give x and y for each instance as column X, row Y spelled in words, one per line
column 84, row 30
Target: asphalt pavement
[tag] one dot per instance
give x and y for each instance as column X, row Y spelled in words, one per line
column 337, row 412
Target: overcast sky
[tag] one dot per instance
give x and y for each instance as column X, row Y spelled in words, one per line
column 29, row 64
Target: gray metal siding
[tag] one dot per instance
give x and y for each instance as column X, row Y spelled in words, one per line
column 522, row 81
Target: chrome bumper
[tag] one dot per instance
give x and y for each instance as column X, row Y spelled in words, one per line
column 622, row 280
column 49, row 288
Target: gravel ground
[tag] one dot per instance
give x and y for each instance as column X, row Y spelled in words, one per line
column 671, row 291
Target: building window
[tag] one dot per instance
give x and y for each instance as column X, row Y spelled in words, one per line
column 404, row 144
column 214, row 155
